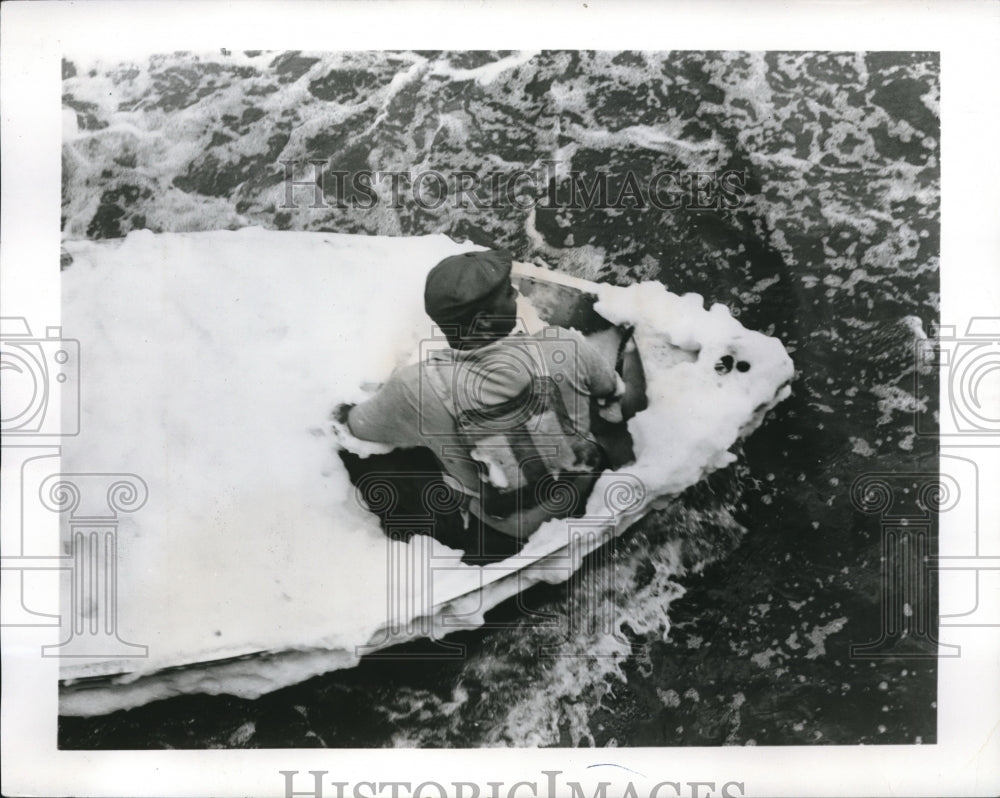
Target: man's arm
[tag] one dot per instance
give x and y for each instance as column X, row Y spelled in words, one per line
column 596, row 356
column 390, row 416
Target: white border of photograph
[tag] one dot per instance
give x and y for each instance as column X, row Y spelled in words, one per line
column 35, row 35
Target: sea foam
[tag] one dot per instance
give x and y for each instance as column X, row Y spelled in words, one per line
column 211, row 363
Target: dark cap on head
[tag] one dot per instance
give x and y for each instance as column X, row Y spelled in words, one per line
column 461, row 284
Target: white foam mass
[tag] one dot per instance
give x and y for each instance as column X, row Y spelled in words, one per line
column 210, row 363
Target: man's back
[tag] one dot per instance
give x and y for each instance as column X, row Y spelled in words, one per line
column 419, row 403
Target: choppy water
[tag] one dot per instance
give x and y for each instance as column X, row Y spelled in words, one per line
column 835, row 251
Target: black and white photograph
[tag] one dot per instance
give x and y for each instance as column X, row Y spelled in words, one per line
column 521, row 400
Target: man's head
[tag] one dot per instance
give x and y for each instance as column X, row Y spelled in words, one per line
column 470, row 297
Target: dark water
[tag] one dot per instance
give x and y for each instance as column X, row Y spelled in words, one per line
column 835, row 251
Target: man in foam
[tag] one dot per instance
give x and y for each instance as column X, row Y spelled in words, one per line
column 506, row 414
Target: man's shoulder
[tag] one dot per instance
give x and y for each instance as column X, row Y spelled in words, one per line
column 416, row 383
column 571, row 354
column 570, row 342
column 555, row 339
column 554, row 333
column 407, row 376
